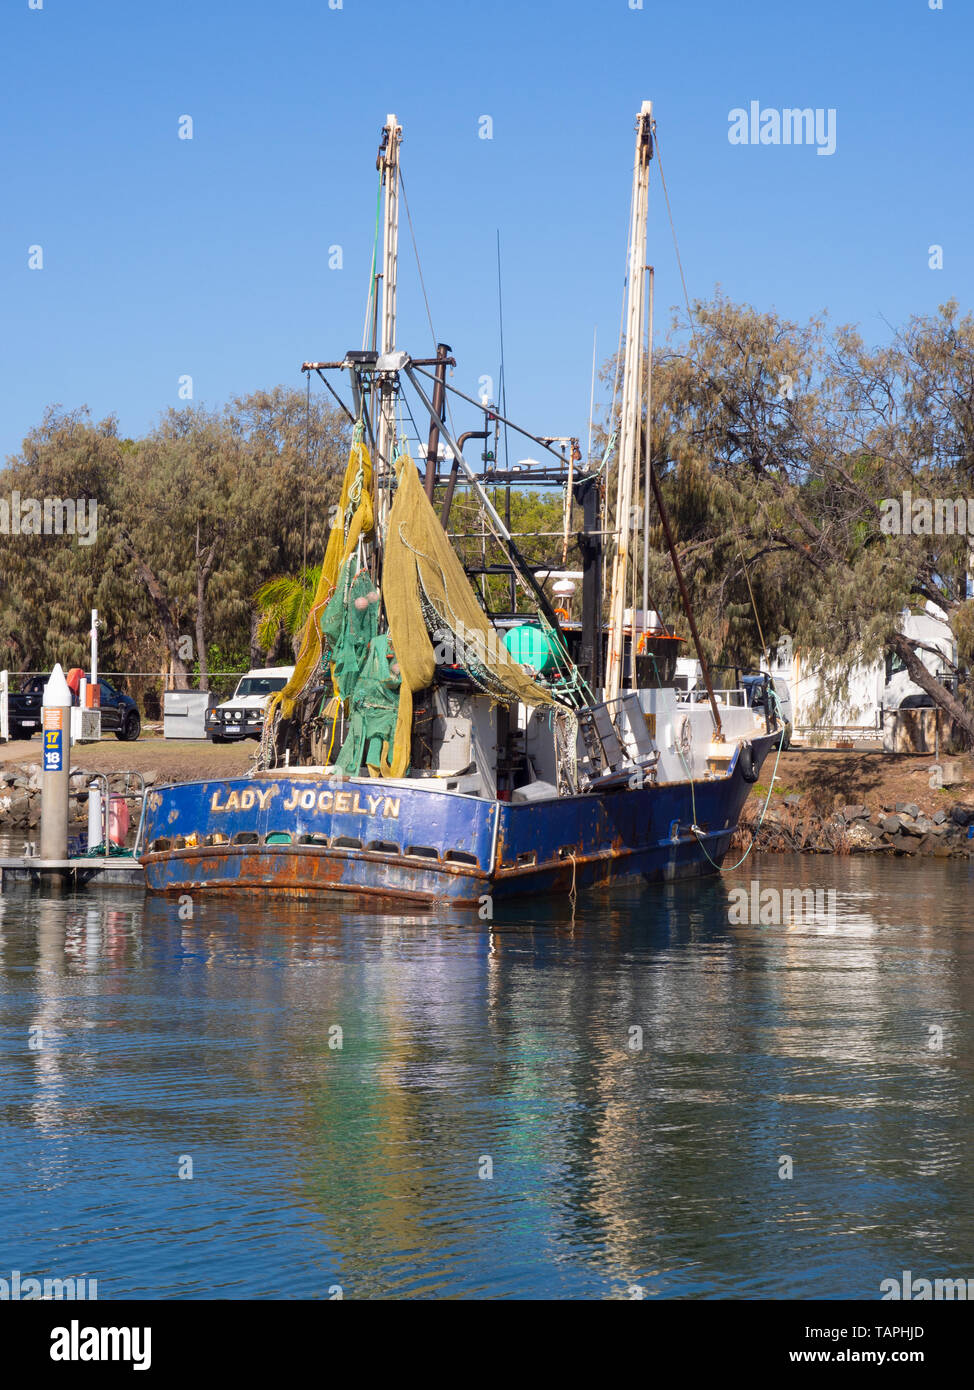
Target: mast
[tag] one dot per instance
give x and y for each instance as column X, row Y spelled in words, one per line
column 629, row 425
column 388, row 162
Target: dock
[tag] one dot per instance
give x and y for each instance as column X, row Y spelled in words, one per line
column 76, row 873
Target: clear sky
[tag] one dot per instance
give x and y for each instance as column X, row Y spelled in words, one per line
column 209, row 257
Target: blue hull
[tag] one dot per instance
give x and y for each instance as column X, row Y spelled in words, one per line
column 408, row 845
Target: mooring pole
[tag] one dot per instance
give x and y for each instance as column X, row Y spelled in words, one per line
column 55, row 773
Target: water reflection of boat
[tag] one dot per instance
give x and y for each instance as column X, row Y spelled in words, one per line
column 482, row 755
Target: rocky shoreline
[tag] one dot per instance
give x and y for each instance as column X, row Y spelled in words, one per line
column 818, row 819
column 20, row 795
column 898, row 828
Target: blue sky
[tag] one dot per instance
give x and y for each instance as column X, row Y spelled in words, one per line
column 209, row 257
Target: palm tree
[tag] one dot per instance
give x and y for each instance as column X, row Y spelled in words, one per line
column 285, row 602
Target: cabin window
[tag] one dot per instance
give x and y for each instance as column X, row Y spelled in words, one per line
column 422, row 851
column 346, row 842
column 278, row 837
column 383, row 846
column 245, row 837
column 321, row 840
column 460, row 856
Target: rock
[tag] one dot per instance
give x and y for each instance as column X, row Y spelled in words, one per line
column 907, row 808
column 867, row 828
column 904, row 844
column 948, row 773
column 855, row 812
column 909, row 826
column 891, row 825
column 862, row 836
column 923, row 825
column 939, row 817
column 14, row 807
column 959, row 814
column 792, row 800
column 151, row 777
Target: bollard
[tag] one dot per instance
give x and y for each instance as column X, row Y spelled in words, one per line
column 56, row 773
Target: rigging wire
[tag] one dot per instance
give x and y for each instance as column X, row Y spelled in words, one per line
column 369, row 310
column 422, row 282
column 307, row 462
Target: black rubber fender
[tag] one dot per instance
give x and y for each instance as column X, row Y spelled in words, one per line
column 747, row 763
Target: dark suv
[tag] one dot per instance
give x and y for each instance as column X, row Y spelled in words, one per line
column 119, row 713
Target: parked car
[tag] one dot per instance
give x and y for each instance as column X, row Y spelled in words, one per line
column 24, row 708
column 242, row 716
column 119, row 713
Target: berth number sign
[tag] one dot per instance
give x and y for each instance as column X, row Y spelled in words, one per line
column 53, row 740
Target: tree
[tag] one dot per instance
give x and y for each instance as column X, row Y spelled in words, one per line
column 191, row 520
column 777, row 445
column 284, row 603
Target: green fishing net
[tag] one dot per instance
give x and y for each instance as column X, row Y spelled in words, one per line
column 373, row 710
column 348, row 624
column 362, row 660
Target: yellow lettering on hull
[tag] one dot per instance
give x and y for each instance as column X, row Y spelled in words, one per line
column 308, row 799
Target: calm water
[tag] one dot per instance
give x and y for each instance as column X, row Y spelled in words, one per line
column 504, row 1045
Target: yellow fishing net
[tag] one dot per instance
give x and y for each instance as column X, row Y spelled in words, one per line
column 423, row 580
column 355, row 521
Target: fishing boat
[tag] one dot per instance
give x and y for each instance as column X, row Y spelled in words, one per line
column 432, row 750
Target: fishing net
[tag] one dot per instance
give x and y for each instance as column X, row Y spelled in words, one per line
column 348, row 625
column 424, row 589
column 355, row 522
column 373, row 711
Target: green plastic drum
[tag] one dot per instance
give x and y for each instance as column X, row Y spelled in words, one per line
column 531, row 646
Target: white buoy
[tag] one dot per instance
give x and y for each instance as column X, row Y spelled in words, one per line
column 55, row 766
column 96, row 828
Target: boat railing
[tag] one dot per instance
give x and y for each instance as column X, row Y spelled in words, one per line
column 736, row 698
